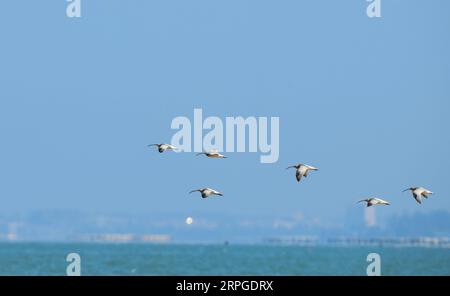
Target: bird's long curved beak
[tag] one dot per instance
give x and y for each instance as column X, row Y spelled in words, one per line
column 406, row 189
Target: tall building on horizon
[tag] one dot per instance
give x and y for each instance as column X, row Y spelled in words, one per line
column 370, row 219
column 12, row 231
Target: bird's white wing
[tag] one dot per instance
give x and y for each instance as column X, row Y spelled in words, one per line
column 311, row 167
column 298, row 175
column 381, row 201
column 303, row 170
column 418, row 198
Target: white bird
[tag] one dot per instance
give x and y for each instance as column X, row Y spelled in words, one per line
column 372, row 201
column 302, row 170
column 419, row 192
column 212, row 154
column 207, row 192
column 163, row 147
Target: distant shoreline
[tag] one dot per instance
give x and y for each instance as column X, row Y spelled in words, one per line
column 425, row 242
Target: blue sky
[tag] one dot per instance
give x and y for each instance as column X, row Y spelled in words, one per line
column 365, row 100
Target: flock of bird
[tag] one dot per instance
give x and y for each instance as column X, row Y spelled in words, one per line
column 301, row 171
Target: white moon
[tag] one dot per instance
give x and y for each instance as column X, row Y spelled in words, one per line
column 189, row 220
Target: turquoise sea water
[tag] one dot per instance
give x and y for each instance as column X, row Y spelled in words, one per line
column 177, row 259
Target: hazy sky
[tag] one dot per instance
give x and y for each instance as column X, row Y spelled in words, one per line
column 365, row 100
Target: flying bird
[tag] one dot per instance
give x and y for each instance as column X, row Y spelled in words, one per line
column 212, row 154
column 419, row 192
column 207, row 192
column 373, row 201
column 163, row 147
column 302, row 170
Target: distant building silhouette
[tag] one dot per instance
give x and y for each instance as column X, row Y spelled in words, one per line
column 12, row 231
column 370, row 219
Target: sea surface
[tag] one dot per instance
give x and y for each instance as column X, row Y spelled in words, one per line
column 189, row 259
